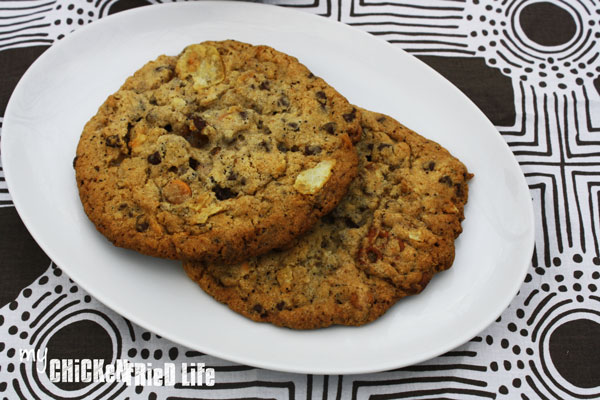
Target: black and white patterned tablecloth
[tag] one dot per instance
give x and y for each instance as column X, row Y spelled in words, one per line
column 532, row 66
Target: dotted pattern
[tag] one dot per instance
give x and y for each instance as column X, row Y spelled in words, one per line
column 496, row 34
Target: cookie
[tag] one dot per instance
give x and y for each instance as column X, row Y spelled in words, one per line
column 392, row 232
column 222, row 152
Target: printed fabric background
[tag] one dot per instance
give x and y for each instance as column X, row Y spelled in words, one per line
column 532, row 66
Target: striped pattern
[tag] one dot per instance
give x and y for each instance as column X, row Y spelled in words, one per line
column 5, row 199
column 25, row 23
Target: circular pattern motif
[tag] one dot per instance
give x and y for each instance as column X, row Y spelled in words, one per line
column 570, row 344
column 524, row 44
column 534, row 18
column 80, row 340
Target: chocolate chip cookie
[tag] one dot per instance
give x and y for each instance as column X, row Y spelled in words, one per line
column 392, row 232
column 222, row 152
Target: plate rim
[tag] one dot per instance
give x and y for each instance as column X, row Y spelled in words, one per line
column 281, row 366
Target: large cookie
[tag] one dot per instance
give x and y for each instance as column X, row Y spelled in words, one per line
column 225, row 151
column 392, row 232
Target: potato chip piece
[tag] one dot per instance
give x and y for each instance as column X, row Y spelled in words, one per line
column 310, row 181
column 203, row 63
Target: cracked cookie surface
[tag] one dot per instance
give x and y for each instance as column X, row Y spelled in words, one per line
column 387, row 238
column 222, row 152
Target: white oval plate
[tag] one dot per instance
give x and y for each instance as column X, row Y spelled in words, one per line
column 67, row 84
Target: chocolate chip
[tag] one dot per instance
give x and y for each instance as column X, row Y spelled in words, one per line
column 280, row 305
column 173, row 169
column 193, row 163
column 329, row 128
column 113, row 141
column 267, row 131
column 311, row 75
column 122, row 206
column 265, row 85
column 168, row 128
column 232, row 176
column 282, row 147
column 154, row 158
column 75, row 161
column 223, row 193
column 294, row 126
column 258, row 308
column 141, row 224
column 214, row 151
column 372, row 256
column 324, row 244
column 350, row 223
column 153, row 102
column 459, row 190
column 196, row 139
column 381, row 120
column 243, row 115
column 321, row 98
column 283, row 101
column 199, row 123
column 383, row 146
column 312, row 150
column 259, row 124
column 265, row 145
column 294, row 148
column 350, row 116
column 117, row 161
column 430, row 166
column 446, row 180
column 369, row 157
